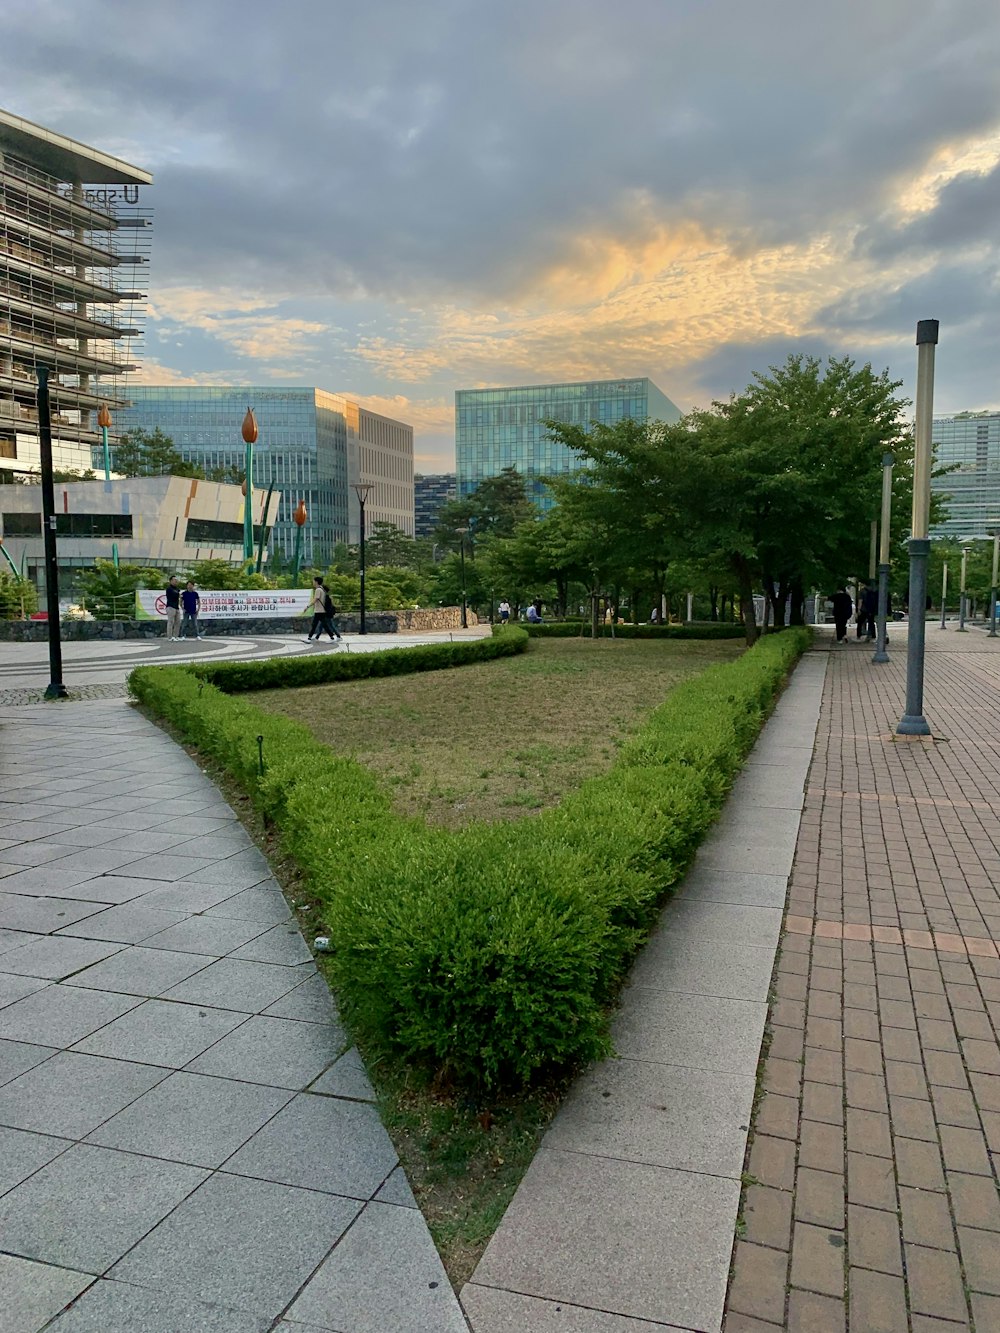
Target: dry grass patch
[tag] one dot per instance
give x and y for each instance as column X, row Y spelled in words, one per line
column 501, row 739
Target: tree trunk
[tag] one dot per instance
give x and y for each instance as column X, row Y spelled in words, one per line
column 594, row 611
column 562, row 595
column 780, row 603
column 745, row 585
column 713, row 597
column 797, row 615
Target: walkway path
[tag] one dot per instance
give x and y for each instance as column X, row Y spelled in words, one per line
column 184, row 1142
column 878, row 1140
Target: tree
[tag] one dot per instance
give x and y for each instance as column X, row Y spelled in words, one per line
column 109, row 593
column 143, row 453
column 494, row 509
column 386, row 544
column 18, row 597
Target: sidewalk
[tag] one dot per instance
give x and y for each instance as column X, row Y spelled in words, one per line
column 878, row 1139
column 184, row 1142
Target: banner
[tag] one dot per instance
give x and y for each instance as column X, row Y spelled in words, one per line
column 239, row 604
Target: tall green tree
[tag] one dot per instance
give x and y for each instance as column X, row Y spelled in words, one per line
column 494, row 509
column 143, row 453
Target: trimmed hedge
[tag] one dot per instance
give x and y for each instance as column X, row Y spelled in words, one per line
column 490, row 955
column 577, row 629
column 285, row 672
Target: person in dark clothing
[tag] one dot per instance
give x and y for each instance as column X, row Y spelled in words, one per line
column 323, row 613
column 173, row 594
column 191, row 603
column 868, row 612
column 842, row 608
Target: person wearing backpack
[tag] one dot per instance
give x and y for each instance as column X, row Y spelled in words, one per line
column 323, row 612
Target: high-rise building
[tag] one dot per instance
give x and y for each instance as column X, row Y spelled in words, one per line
column 505, row 428
column 73, row 251
column 429, row 494
column 968, row 445
column 312, row 446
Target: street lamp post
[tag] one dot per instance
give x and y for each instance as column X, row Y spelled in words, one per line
column 913, row 722
column 55, row 688
column 880, row 654
column 104, row 421
column 465, row 609
column 993, row 583
column 363, row 490
column 944, row 593
column 249, row 431
column 961, row 592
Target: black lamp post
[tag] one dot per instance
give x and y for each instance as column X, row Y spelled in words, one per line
column 55, row 688
column 465, row 612
column 363, row 490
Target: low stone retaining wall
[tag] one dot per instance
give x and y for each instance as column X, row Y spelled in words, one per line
column 376, row 622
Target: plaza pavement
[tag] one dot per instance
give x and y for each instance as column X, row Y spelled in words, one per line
column 874, row 1149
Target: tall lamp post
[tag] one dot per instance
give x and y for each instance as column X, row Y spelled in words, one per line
column 961, row 592
column 363, row 490
column 300, row 516
column 465, row 611
column 55, row 688
column 993, row 583
column 104, row 421
column 944, row 593
column 880, row 654
column 913, row 722
column 249, row 432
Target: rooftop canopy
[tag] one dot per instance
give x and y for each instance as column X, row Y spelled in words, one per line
column 62, row 158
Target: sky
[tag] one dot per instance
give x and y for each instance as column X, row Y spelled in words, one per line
column 394, row 200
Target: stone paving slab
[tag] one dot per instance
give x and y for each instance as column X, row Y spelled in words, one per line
column 627, row 1213
column 135, row 1064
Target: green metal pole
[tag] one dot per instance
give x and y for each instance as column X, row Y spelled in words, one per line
column 297, row 558
column 248, row 507
column 107, row 453
column 263, row 527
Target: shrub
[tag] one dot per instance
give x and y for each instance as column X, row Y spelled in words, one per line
column 489, row 955
column 575, row 629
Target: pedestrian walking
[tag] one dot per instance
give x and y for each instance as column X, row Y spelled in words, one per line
column 323, row 612
column 504, row 609
column 173, row 595
column 868, row 612
column 191, row 604
column 842, row 609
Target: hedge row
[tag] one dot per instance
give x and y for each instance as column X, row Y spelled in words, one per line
column 492, row 954
column 569, row 629
column 283, row 672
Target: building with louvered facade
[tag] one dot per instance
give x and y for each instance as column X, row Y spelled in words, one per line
column 74, row 250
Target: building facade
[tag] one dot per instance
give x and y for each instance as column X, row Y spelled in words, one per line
column 73, row 258
column 968, row 445
column 429, row 494
column 167, row 523
column 505, row 428
column 312, row 446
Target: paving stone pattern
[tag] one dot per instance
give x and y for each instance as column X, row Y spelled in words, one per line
column 185, row 1143
column 877, row 1141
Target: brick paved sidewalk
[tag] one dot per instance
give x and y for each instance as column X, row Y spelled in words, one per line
column 877, row 1140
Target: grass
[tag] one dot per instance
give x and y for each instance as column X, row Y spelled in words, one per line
column 503, row 739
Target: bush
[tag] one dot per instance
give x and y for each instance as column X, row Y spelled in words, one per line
column 286, row 672
column 489, row 955
column 576, row 629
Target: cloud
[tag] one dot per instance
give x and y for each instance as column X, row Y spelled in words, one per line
column 397, row 200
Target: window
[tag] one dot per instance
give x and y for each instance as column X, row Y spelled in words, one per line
column 210, row 532
column 22, row 525
column 94, row 525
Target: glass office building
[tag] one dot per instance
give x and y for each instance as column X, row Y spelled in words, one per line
column 313, row 446
column 501, row 428
column 968, row 444
column 429, row 494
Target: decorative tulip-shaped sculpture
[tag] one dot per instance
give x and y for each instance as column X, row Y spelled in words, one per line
column 301, row 517
column 250, row 439
column 104, row 421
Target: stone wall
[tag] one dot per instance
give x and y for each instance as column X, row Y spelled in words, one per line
column 377, row 622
